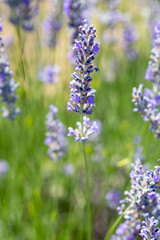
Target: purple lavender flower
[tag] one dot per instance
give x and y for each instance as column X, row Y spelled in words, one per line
column 149, row 229
column 113, row 197
column 52, row 24
column 55, row 136
column 68, row 169
column 130, row 37
column 142, row 198
column 153, row 15
column 82, row 95
column 95, row 136
column 49, row 74
column 137, row 139
column 8, row 40
column 127, row 231
column 4, row 166
column 74, row 10
column 148, row 103
column 7, row 87
column 23, row 12
column 82, row 132
column 110, row 18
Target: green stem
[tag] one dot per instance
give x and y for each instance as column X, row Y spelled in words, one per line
column 87, row 194
column 22, row 61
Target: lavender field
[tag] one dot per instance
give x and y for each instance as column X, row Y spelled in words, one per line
column 79, row 119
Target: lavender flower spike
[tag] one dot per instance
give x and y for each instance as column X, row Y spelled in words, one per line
column 74, row 10
column 149, row 229
column 82, row 133
column 23, row 12
column 55, row 136
column 52, row 23
column 82, row 95
column 7, row 87
column 148, row 103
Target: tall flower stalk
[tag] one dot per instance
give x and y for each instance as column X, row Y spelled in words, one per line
column 82, row 97
column 142, row 200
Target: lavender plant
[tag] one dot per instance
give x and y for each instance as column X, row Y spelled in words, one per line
column 153, row 17
column 82, row 96
column 52, row 24
column 55, row 135
column 73, row 9
column 142, row 198
column 130, row 37
column 8, row 86
column 22, row 13
column 147, row 102
column 113, row 19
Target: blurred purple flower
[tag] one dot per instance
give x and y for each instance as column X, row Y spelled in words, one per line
column 95, row 136
column 52, row 24
column 1, row 24
column 23, row 12
column 130, row 37
column 4, row 166
column 113, row 197
column 73, row 9
column 8, row 40
column 68, row 169
column 137, row 139
column 49, row 74
column 55, row 135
